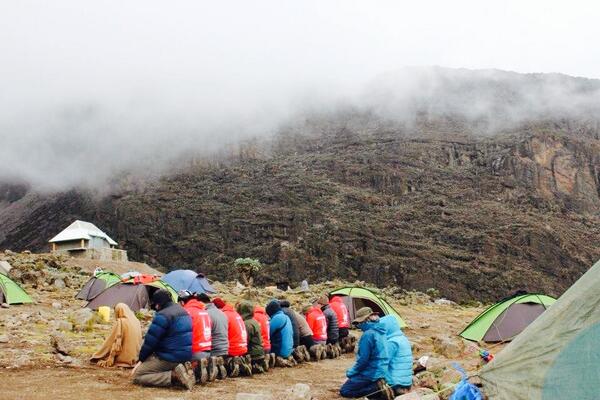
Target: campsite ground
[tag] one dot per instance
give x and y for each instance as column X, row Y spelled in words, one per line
column 43, row 377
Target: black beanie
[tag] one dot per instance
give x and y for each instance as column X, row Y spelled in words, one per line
column 161, row 298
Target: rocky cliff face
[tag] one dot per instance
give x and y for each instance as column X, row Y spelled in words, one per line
column 473, row 217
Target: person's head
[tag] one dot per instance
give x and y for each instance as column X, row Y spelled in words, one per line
column 364, row 315
column 306, row 308
column 160, row 299
column 121, row 310
column 245, row 309
column 284, row 303
column 183, row 296
column 323, row 301
column 203, row 297
column 218, row 302
column 273, row 307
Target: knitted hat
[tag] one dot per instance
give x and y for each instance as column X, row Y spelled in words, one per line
column 323, row 300
column 218, row 302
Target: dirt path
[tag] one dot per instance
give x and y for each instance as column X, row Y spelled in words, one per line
column 324, row 379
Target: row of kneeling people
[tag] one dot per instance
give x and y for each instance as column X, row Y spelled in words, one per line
column 199, row 340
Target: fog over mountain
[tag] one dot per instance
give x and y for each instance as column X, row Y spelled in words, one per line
column 92, row 90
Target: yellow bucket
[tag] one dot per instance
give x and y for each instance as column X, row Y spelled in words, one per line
column 104, row 313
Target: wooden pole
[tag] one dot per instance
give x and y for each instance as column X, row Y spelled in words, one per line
column 82, row 244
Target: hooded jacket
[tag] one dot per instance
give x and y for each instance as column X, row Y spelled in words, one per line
column 341, row 311
column 372, row 359
column 201, row 326
column 219, row 332
column 317, row 323
column 285, row 307
column 260, row 315
column 400, row 370
column 333, row 332
column 169, row 335
column 282, row 335
column 238, row 337
column 255, row 346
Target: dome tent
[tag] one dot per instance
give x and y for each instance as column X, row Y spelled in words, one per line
column 557, row 356
column 358, row 297
column 507, row 318
column 136, row 293
column 11, row 292
column 185, row 279
column 97, row 284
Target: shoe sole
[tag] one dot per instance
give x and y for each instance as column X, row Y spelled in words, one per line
column 186, row 375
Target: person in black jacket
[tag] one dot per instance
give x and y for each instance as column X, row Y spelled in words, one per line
column 167, row 348
column 333, row 331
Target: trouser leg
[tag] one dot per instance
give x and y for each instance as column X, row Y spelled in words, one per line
column 355, row 387
column 154, row 372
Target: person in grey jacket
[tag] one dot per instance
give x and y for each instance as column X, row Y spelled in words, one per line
column 220, row 338
column 333, row 332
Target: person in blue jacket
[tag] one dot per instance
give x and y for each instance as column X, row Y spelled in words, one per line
column 281, row 332
column 167, row 348
column 400, row 372
column 367, row 376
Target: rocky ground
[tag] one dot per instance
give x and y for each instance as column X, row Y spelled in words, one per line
column 44, row 347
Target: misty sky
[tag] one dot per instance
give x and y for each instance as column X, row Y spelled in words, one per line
column 86, row 86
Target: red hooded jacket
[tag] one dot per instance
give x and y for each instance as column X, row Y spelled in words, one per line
column 238, row 337
column 317, row 322
column 260, row 315
column 343, row 316
column 201, row 326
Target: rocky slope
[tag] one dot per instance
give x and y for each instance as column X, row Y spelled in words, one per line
column 445, row 201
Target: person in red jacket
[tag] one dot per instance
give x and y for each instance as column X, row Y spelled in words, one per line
column 346, row 340
column 260, row 315
column 317, row 323
column 201, row 333
column 238, row 339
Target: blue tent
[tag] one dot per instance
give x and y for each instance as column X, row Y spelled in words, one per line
column 185, row 279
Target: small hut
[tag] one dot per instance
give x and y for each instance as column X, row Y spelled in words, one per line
column 85, row 240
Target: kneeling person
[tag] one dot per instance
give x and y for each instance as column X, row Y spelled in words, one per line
column 256, row 351
column 367, row 375
column 167, row 347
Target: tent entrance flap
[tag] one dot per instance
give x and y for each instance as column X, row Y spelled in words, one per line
column 512, row 321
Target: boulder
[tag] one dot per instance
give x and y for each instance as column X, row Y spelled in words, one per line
column 59, row 344
column 59, row 283
column 64, row 326
column 83, row 319
column 56, row 305
column 299, row 391
column 426, row 379
column 447, row 347
column 419, row 394
column 4, row 339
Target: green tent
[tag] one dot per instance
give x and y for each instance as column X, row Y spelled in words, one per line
column 11, row 292
column 558, row 355
column 96, row 284
column 358, row 297
column 507, row 318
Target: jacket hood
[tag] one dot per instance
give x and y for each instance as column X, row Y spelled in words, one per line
column 273, row 307
column 336, row 299
column 194, row 304
column 392, row 328
column 284, row 304
column 259, row 310
column 227, row 307
column 376, row 326
column 246, row 310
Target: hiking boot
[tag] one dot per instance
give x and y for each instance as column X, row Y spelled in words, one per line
column 246, row 365
column 184, row 375
column 203, row 365
column 323, row 352
column 212, row 369
column 338, row 350
column 233, row 367
column 385, row 391
column 221, row 366
column 272, row 360
column 283, row 362
column 264, row 363
column 329, row 351
column 258, row 367
column 298, row 355
column 316, row 352
column 305, row 353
